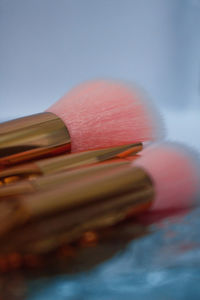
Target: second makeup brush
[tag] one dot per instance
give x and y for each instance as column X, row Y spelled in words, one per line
column 164, row 176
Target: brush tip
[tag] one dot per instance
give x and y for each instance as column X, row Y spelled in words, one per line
column 174, row 171
column 105, row 113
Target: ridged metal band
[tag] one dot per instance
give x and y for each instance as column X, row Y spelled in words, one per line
column 32, row 137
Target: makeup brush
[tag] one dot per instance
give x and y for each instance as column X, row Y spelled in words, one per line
column 95, row 114
column 164, row 176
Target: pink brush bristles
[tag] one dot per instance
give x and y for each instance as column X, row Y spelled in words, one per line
column 105, row 113
column 173, row 170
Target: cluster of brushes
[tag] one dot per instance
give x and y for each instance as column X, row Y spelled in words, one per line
column 83, row 166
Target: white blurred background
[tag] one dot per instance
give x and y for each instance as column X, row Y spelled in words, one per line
column 48, row 46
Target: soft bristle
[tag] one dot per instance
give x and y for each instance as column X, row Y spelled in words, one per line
column 105, row 113
column 174, row 172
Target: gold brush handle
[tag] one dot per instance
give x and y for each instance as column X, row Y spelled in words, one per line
column 76, row 160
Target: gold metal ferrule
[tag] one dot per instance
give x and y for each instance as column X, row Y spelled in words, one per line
column 32, row 137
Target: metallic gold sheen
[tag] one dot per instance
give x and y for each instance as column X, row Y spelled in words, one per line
column 67, row 162
column 96, row 190
column 32, row 137
column 77, row 160
column 76, row 209
column 45, row 182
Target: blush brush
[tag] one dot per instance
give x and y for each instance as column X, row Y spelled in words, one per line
column 165, row 176
column 94, row 115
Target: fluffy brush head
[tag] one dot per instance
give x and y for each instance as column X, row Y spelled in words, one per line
column 105, row 113
column 174, row 172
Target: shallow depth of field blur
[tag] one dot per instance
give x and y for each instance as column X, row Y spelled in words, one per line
column 47, row 47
